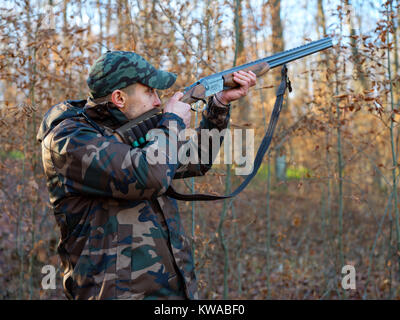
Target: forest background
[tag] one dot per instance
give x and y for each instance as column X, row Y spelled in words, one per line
column 327, row 193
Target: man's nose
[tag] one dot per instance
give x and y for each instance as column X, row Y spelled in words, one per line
column 157, row 101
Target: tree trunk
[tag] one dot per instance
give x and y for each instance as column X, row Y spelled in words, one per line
column 278, row 46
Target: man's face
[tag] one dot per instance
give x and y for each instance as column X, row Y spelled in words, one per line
column 139, row 99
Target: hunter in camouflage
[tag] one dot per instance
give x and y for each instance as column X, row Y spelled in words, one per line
column 121, row 236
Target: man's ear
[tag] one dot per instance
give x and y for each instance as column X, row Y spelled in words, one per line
column 118, row 98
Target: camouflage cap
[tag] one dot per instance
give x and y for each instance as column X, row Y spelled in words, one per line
column 119, row 69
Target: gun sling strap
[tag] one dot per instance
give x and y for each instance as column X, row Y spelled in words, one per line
column 285, row 84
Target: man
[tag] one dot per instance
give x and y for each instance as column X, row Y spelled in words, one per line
column 121, row 236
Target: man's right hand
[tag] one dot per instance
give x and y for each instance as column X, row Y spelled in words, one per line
column 180, row 108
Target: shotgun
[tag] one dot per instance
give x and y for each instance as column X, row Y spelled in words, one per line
column 220, row 81
column 135, row 131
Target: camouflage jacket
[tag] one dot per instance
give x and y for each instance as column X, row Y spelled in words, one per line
column 121, row 236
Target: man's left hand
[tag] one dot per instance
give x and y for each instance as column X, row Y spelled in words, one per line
column 245, row 80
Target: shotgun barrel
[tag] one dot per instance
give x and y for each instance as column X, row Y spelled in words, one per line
column 287, row 56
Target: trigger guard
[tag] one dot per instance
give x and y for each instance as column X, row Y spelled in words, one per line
column 193, row 108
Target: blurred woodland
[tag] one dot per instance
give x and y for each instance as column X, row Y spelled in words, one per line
column 327, row 192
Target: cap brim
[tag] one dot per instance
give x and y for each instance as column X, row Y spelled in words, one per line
column 159, row 79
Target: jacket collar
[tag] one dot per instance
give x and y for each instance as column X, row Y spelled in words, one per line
column 105, row 113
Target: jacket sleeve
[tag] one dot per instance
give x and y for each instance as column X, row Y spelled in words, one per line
column 206, row 143
column 89, row 163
